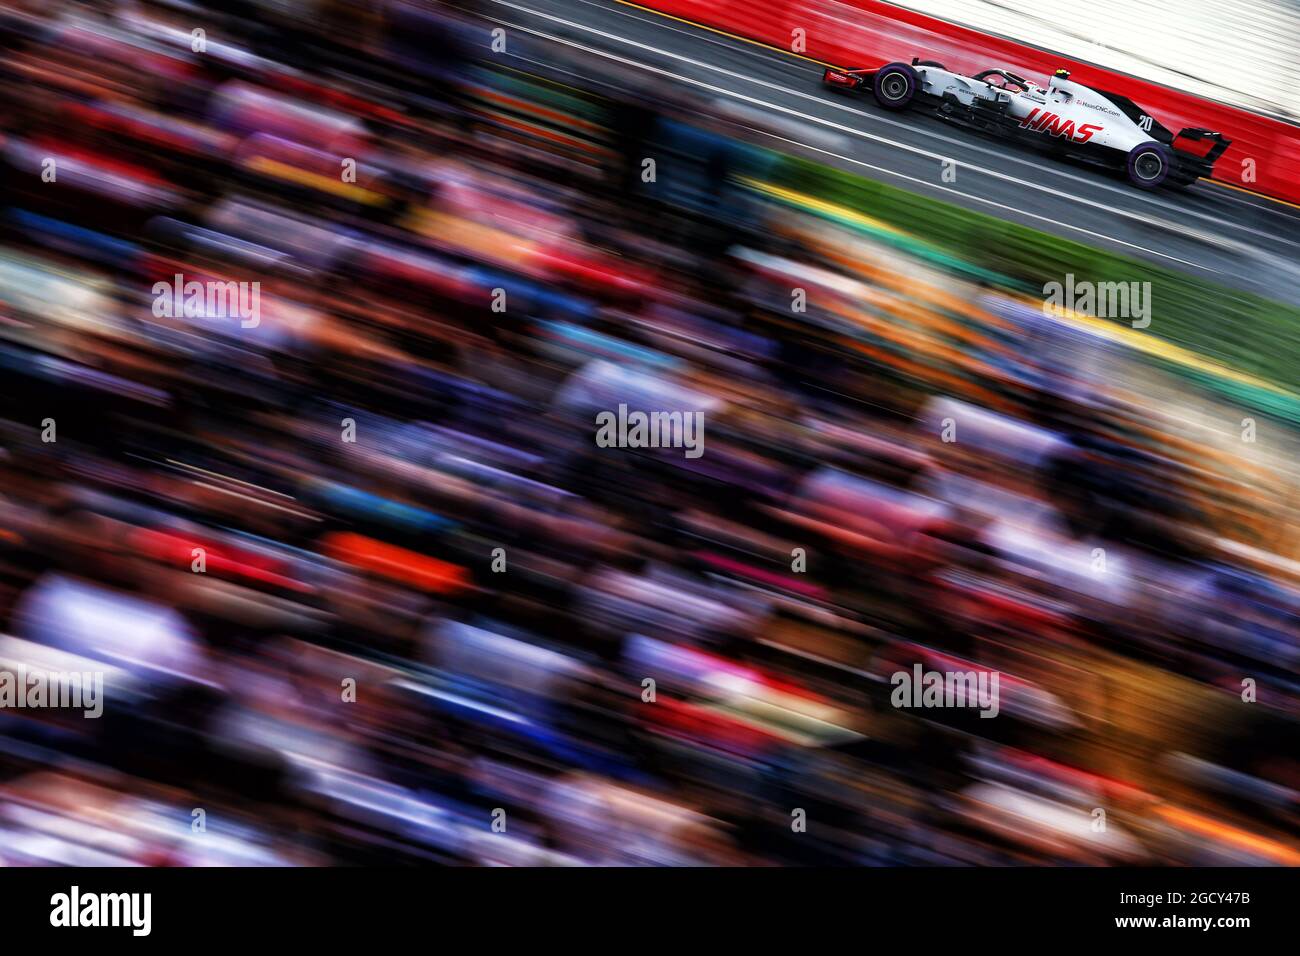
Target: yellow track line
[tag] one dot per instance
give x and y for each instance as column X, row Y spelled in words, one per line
column 1251, row 192
column 823, row 206
column 1151, row 345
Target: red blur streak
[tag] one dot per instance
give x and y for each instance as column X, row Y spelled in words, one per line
column 592, row 271
column 61, row 150
column 740, row 569
column 440, row 577
column 1008, row 608
column 725, row 665
column 93, row 117
column 1050, row 768
column 698, row 723
column 161, row 269
column 173, row 548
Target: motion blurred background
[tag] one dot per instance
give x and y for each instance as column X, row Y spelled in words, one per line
column 426, row 594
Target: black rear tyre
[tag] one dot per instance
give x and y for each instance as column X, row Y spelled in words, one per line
column 1149, row 165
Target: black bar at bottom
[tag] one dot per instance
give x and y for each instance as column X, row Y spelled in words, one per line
column 674, row 906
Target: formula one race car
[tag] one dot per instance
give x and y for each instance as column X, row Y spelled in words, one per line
column 1067, row 117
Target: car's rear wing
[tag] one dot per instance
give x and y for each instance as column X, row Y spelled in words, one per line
column 1221, row 142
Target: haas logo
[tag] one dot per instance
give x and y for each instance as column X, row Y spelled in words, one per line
column 1044, row 121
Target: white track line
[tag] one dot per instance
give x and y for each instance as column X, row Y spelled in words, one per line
column 989, row 202
column 1165, row 224
column 837, row 126
column 762, row 52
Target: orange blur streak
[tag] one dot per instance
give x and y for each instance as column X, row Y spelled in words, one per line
column 1228, row 834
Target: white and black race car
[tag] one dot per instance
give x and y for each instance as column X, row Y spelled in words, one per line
column 1066, row 117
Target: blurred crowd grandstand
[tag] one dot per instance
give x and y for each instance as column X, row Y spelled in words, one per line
column 427, row 595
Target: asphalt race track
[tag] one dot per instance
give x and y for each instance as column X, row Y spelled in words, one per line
column 1238, row 238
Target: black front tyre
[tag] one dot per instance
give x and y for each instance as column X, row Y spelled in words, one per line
column 895, row 85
